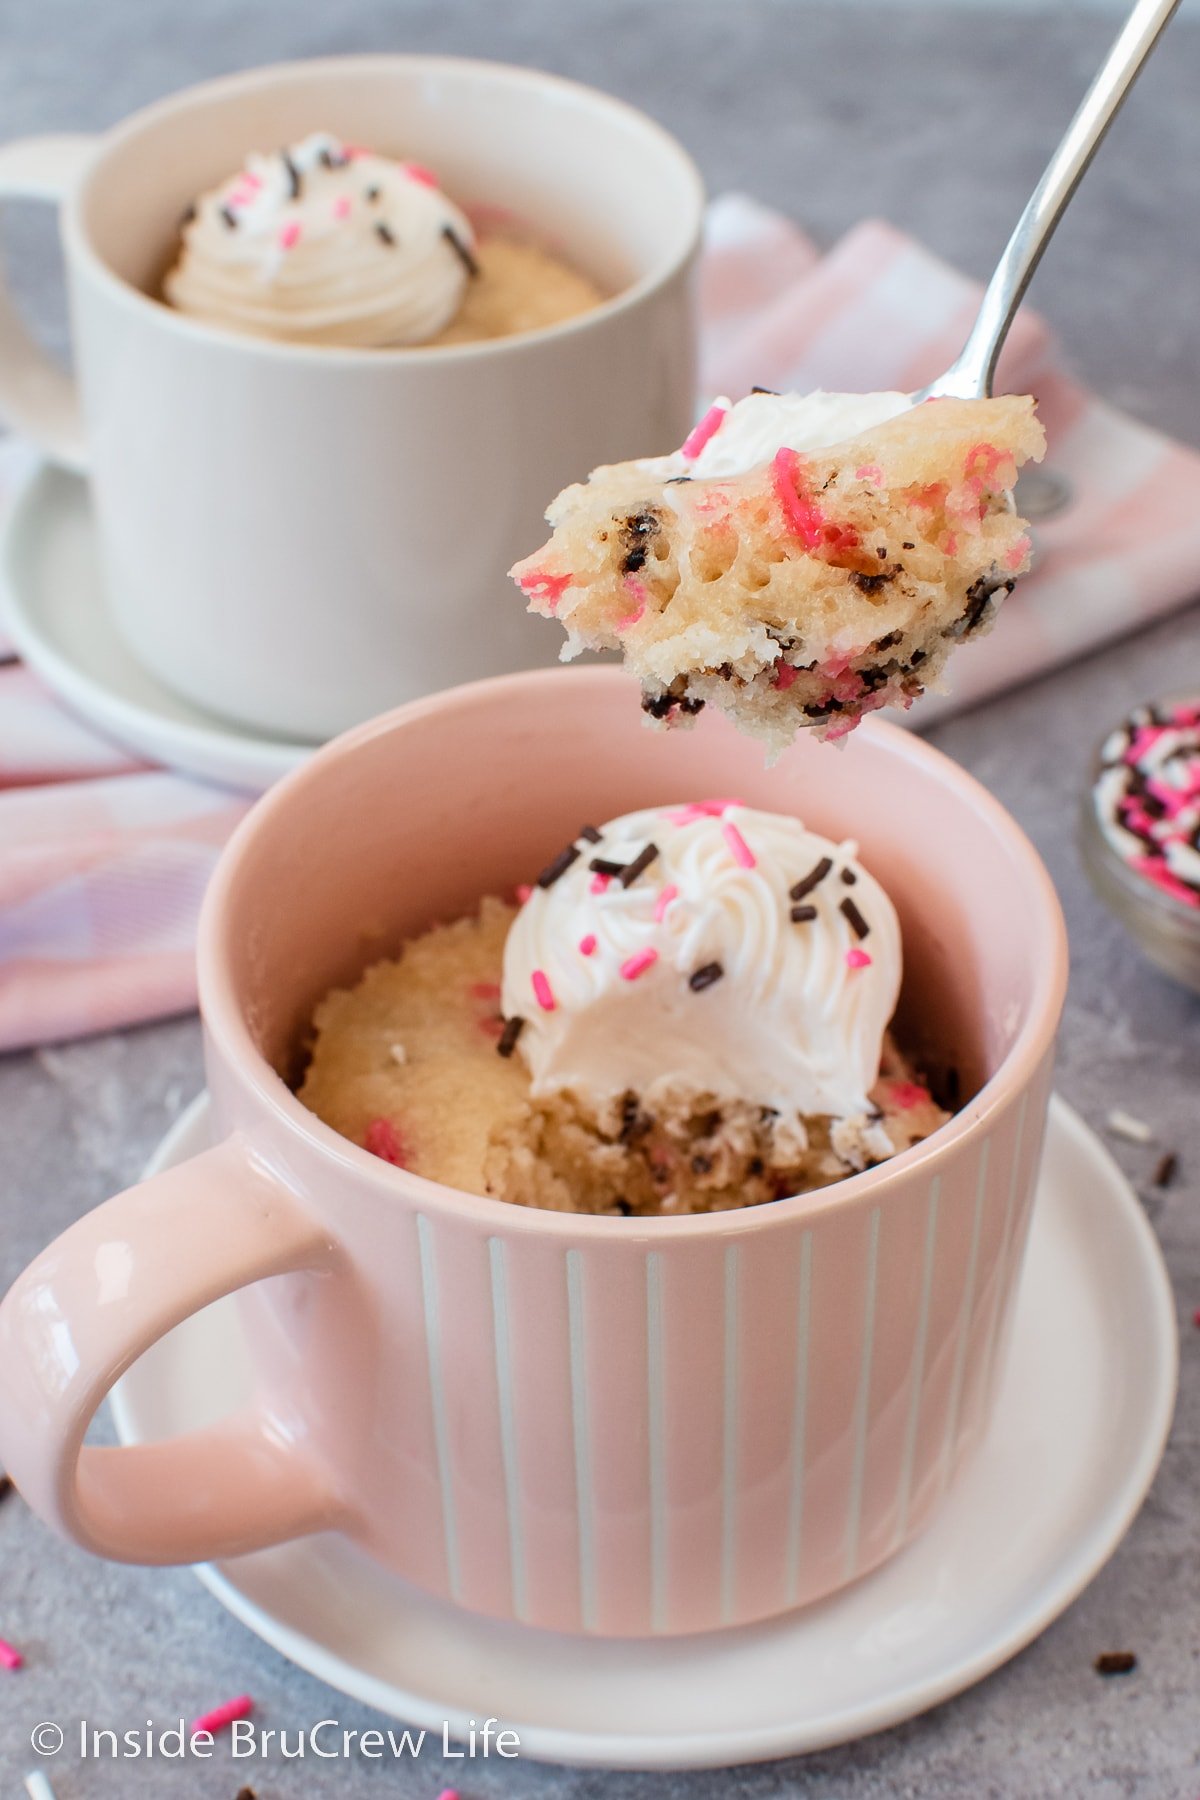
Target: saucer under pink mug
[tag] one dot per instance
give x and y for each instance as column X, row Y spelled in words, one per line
column 621, row 1426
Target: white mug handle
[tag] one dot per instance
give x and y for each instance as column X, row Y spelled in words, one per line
column 36, row 397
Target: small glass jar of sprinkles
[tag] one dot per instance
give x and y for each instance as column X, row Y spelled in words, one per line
column 1140, row 832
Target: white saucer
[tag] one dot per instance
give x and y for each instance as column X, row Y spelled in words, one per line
column 57, row 613
column 1083, row 1415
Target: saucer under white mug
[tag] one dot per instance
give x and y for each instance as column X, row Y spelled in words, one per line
column 54, row 607
column 1086, row 1399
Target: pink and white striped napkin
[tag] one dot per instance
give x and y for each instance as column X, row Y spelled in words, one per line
column 103, row 860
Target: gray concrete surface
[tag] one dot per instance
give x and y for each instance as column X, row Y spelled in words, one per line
column 830, row 112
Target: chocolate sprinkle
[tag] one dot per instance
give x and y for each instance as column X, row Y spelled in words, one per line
column 855, row 919
column 676, row 480
column 1166, row 1170
column 623, row 1207
column 811, row 880
column 373, row 192
column 800, row 915
column 385, row 233
column 327, row 159
column 6, row 1486
column 589, row 834
column 246, row 1793
column 602, row 866
column 906, row 545
column 659, row 706
column 704, row 977
column 293, row 175
column 1115, row 1662
column 228, row 217
column 638, row 866
column 849, row 877
column 559, row 866
column 508, row 1037
column 464, row 255
column 761, row 390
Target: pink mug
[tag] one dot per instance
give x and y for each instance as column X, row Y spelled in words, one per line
column 620, row 1426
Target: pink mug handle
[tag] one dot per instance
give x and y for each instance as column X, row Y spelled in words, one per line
column 104, row 1292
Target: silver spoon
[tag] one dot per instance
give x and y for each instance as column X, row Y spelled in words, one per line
column 970, row 375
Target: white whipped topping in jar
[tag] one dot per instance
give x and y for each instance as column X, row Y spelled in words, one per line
column 746, row 958
column 733, row 438
column 323, row 243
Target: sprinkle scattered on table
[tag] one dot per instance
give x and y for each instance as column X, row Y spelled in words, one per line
column 6, row 1487
column 449, row 1794
column 1115, row 1662
column 10, row 1657
column 1165, row 1170
column 1124, row 1125
column 246, row 1793
column 220, row 1716
column 37, row 1786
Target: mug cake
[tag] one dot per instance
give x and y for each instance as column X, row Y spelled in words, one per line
column 324, row 242
column 687, row 1011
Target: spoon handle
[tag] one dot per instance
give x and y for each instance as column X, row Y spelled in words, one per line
column 970, row 375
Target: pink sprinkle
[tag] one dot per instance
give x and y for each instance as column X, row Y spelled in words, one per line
column 950, row 544
column 638, row 963
column 540, row 584
column 417, row 172
column 543, row 993
column 220, row 1716
column 10, row 1658
column 1016, row 556
column 1162, row 877
column 449, row 1794
column 702, row 809
column 341, row 207
column 740, row 850
column 908, row 1094
column 587, row 945
column 801, row 513
column 665, row 897
column 523, row 891
column 857, row 959
column 696, row 439
column 289, row 234
column 785, row 674
column 1196, row 1318
column 870, row 472
column 485, row 990
column 599, row 882
column 382, row 1140
column 638, row 594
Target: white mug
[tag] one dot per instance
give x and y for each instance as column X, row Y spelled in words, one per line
column 297, row 536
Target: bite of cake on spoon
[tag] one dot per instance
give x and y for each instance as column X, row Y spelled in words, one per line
column 800, row 561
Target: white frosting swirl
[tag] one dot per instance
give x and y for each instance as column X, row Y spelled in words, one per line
column 796, row 1018
column 325, row 244
column 750, row 432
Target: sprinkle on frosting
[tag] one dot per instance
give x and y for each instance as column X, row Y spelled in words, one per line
column 705, row 976
column 857, row 959
column 854, row 918
column 816, row 875
column 638, row 866
column 739, row 849
column 508, row 1037
column 559, row 866
column 638, row 963
column 543, row 993
column 587, row 944
column 696, row 439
